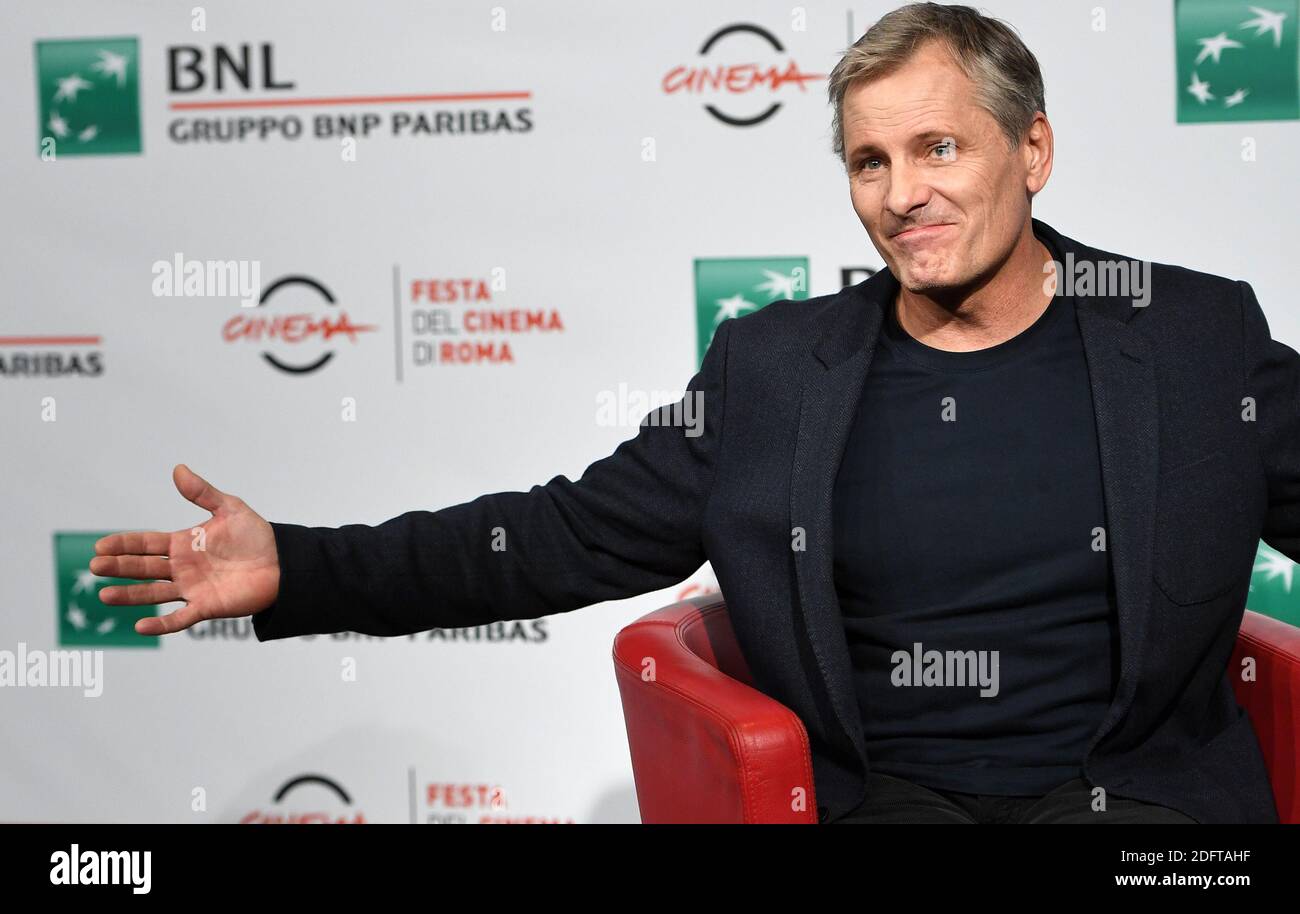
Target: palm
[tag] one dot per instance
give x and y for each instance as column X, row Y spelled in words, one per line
column 222, row 568
column 229, row 576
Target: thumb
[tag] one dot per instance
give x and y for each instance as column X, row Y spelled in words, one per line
column 197, row 489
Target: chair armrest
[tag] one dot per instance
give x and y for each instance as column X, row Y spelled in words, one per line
column 705, row 746
column 1273, row 702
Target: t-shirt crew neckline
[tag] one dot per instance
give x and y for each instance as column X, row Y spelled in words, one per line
column 976, row 359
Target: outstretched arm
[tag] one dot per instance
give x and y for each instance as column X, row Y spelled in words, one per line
column 629, row 525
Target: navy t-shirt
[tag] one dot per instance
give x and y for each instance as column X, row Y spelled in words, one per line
column 971, row 560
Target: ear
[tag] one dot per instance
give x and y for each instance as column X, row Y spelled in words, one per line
column 1036, row 148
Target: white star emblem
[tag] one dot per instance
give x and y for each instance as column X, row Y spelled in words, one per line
column 1200, row 89
column 58, row 126
column 777, row 284
column 1274, row 564
column 1266, row 21
column 69, row 86
column 76, row 616
column 111, row 64
column 1236, row 98
column 86, row 579
column 731, row 307
column 1213, row 47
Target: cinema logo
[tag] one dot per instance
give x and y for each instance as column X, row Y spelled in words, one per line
column 447, row 803
column 1101, row 278
column 743, row 69
column 300, row 339
column 464, row 321
column 309, row 799
column 236, row 93
column 704, row 586
column 51, row 356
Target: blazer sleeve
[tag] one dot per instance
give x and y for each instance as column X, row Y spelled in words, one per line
column 630, row 525
column 1273, row 379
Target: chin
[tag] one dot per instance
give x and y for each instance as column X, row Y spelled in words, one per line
column 924, row 281
column 934, row 271
column 926, row 288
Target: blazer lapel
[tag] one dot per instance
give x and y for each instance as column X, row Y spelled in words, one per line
column 837, row 369
column 1121, row 370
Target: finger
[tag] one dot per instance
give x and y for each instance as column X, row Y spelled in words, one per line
column 197, row 489
column 137, row 542
column 176, row 621
column 140, row 594
column 140, row 567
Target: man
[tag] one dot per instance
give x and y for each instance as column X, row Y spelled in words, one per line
column 990, row 542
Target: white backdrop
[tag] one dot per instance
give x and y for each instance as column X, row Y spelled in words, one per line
column 581, row 223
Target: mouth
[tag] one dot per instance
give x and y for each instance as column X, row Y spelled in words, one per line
column 922, row 232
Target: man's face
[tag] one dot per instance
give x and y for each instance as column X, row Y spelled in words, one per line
column 921, row 152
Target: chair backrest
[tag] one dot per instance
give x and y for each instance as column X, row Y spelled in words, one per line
column 712, row 638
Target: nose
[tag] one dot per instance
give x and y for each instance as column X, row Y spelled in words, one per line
column 907, row 190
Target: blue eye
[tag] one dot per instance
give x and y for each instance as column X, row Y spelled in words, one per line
column 946, row 150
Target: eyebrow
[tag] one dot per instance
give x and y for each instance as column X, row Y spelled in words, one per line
column 924, row 137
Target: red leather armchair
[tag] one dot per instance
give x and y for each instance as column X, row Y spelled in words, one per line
column 1273, row 702
column 708, row 747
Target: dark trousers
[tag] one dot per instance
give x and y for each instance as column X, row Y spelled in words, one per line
column 894, row 801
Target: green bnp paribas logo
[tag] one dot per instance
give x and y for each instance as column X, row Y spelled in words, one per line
column 1275, row 586
column 83, row 619
column 733, row 288
column 89, row 97
column 1237, row 61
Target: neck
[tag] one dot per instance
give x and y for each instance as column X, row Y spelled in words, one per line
column 989, row 311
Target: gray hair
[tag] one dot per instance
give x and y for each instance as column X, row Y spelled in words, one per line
column 1008, row 83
